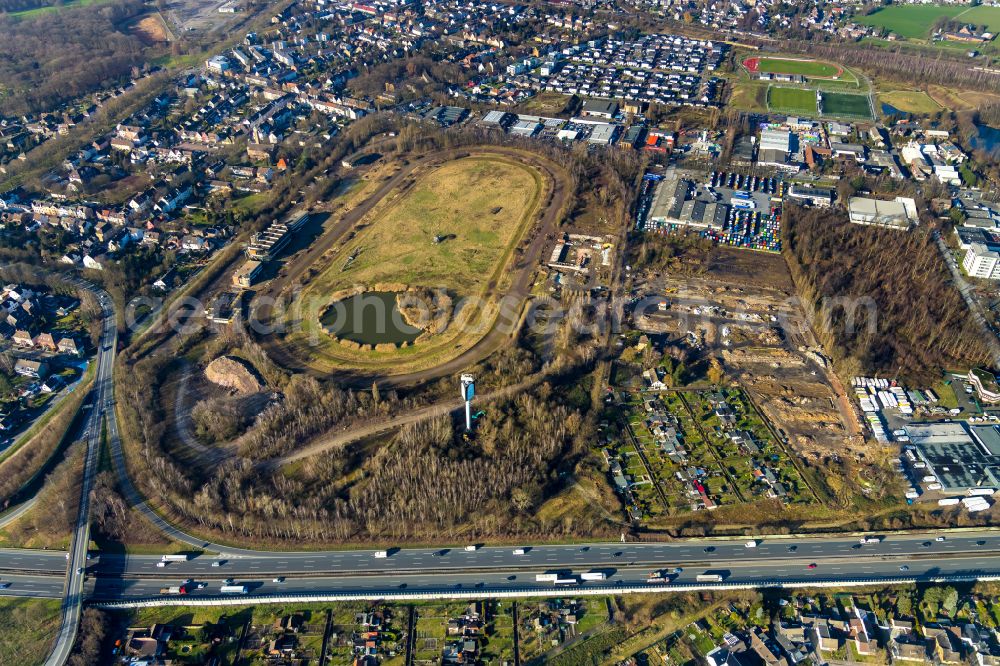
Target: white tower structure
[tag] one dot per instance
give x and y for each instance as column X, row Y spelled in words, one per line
column 468, row 392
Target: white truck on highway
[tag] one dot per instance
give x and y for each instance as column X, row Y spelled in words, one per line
column 870, row 539
column 233, row 589
column 381, row 554
column 520, row 551
column 752, row 543
column 174, row 558
column 546, row 578
column 593, row 575
column 471, row 549
column 709, row 577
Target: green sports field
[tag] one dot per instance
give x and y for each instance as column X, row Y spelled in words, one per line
column 792, row 100
column 841, row 104
column 915, row 21
column 807, row 68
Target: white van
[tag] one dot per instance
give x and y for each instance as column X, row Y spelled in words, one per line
column 381, row 554
column 750, row 544
column 519, row 551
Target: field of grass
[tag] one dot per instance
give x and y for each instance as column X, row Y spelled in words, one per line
column 480, row 205
column 27, row 629
column 841, row 104
column 982, row 15
column 792, row 100
column 910, row 101
column 29, row 13
column 910, row 21
column 749, row 97
column 807, row 68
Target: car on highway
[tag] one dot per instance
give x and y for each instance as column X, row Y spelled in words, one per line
column 792, row 549
column 940, row 538
column 279, row 579
column 926, row 544
column 980, row 543
column 202, row 586
column 710, row 549
column 520, row 551
column 228, row 581
column 4, row 586
column 904, row 568
column 812, row 565
column 79, row 570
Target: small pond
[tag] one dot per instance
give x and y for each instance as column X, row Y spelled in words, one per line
column 369, row 318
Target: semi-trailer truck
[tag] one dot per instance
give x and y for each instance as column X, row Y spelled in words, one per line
column 546, row 578
column 709, row 578
column 870, row 539
column 174, row 558
column 177, row 589
column 233, row 589
column 594, row 575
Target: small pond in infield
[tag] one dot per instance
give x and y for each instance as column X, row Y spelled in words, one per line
column 369, row 318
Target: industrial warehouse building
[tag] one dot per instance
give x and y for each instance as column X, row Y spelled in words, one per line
column 671, row 205
column 959, row 457
column 899, row 213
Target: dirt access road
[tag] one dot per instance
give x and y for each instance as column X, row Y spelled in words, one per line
column 523, row 266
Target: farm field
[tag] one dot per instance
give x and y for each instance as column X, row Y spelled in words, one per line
column 915, row 21
column 843, row 104
column 451, row 227
column 910, row 101
column 910, row 21
column 792, row 100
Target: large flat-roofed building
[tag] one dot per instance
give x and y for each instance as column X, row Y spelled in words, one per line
column 816, row 196
column 899, row 213
column 673, row 203
column 960, row 458
column 773, row 139
column 600, row 108
column 668, row 199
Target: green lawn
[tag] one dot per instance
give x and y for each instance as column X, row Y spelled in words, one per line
column 803, row 67
column 911, row 21
column 988, row 16
column 792, row 100
column 842, row 104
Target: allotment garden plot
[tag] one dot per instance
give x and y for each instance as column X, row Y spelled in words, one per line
column 691, row 450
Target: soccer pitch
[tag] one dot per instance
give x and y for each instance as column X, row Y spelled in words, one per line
column 842, row 104
column 792, row 100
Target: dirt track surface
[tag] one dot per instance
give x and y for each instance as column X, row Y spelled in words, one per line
column 523, row 267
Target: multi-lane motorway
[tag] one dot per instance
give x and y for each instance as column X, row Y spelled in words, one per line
column 113, row 576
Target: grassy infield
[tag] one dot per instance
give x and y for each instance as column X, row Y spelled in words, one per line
column 482, row 204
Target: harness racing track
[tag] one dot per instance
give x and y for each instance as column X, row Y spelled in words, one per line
column 471, row 221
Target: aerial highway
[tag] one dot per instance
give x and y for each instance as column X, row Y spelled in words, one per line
column 114, row 587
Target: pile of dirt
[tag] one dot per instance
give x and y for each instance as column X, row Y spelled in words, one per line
column 234, row 373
